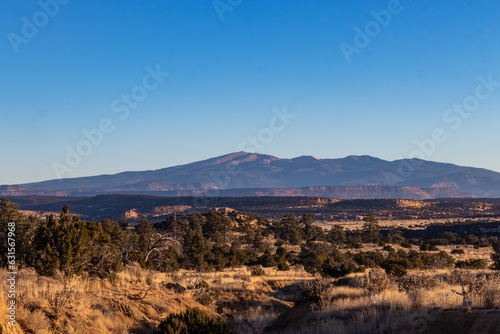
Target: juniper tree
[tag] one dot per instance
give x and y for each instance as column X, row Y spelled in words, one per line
column 22, row 232
column 216, row 227
column 495, row 256
column 311, row 232
column 290, row 230
column 371, row 229
column 258, row 242
column 194, row 245
column 114, row 230
column 72, row 246
column 337, row 235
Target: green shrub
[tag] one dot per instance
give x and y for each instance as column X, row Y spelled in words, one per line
column 340, row 268
column 389, row 248
column 204, row 299
column 192, row 321
column 405, row 244
column 495, row 257
column 436, row 260
column 428, row 247
column 471, row 264
column 201, row 285
column 395, row 269
column 283, row 266
column 258, row 271
column 369, row 259
column 355, row 244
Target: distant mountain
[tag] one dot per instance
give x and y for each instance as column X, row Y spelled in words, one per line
column 251, row 174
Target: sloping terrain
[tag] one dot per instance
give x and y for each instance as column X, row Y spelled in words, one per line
column 135, row 301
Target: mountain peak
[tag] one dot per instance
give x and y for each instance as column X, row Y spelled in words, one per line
column 243, row 170
column 241, row 157
column 306, row 157
column 360, row 157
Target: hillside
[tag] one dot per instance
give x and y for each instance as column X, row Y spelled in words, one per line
column 254, row 274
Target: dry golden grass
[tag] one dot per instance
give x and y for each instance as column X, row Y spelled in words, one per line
column 347, row 298
column 240, row 278
column 387, row 223
column 469, row 252
column 136, row 300
column 85, row 305
column 361, row 310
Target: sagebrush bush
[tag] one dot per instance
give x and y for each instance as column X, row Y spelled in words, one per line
column 491, row 294
column 377, row 281
column 411, row 282
column 417, row 297
column 318, row 292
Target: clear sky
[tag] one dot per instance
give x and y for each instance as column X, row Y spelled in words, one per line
column 354, row 85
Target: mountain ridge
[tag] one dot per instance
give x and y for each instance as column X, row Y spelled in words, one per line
column 243, row 171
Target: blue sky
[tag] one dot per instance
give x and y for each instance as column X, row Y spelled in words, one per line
column 228, row 77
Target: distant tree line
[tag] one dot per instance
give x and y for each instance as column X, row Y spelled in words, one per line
column 214, row 241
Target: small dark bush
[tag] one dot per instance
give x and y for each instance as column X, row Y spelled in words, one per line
column 192, row 321
column 389, row 248
column 405, row 244
column 204, row 299
column 436, row 260
column 457, row 251
column 258, row 271
column 337, row 269
column 428, row 247
column 471, row 264
column 202, row 285
column 354, row 244
column 395, row 269
column 283, row 266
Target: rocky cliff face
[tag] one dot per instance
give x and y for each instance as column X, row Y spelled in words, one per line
column 344, row 192
column 353, row 192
